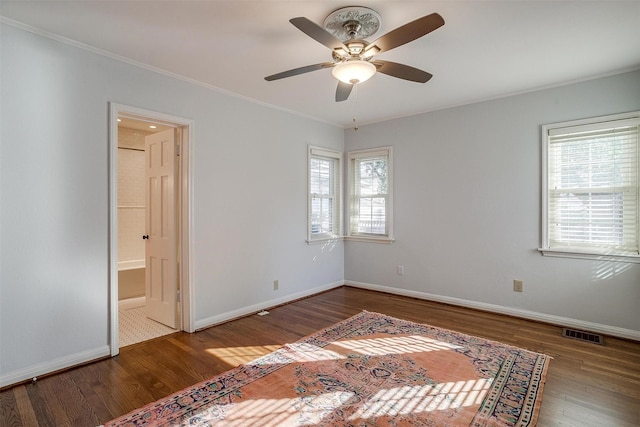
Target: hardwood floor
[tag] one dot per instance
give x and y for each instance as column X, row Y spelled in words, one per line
column 587, row 384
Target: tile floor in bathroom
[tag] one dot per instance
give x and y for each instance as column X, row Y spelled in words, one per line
column 134, row 326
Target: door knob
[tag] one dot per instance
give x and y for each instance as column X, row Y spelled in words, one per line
column 146, row 236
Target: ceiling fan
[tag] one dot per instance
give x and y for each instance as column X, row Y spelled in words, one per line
column 353, row 57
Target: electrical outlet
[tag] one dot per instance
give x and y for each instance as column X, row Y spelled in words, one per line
column 517, row 285
column 400, row 269
column 275, row 285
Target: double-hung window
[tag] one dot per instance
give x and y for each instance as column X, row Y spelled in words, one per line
column 370, row 194
column 590, row 194
column 325, row 194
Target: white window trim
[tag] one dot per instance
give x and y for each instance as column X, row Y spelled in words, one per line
column 330, row 154
column 372, row 238
column 559, row 253
column 590, row 254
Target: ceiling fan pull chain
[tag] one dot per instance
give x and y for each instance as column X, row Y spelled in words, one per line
column 355, row 107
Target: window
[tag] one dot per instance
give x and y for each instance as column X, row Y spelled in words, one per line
column 370, row 191
column 325, row 194
column 591, row 188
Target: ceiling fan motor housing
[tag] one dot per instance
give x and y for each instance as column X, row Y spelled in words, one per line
column 352, row 28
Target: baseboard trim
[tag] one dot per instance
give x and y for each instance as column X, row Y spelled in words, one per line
column 54, row 366
column 245, row 311
column 516, row 312
column 129, row 303
column 136, row 264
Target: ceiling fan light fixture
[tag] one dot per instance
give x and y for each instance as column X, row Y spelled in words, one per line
column 353, row 72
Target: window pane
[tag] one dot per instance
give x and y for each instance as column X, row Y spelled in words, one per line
column 372, row 215
column 589, row 218
column 321, row 176
column 321, row 215
column 593, row 163
column 372, row 177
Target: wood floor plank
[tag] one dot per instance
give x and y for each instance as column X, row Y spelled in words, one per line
column 44, row 402
column 587, row 384
column 95, row 407
column 9, row 414
column 103, row 386
column 25, row 409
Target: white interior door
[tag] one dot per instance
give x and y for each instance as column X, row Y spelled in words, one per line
column 161, row 278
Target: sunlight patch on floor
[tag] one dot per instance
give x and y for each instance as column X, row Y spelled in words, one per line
column 305, row 352
column 238, row 355
column 395, row 345
column 307, row 411
column 408, row 399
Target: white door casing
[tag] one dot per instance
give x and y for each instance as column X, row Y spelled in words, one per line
column 182, row 183
column 161, row 278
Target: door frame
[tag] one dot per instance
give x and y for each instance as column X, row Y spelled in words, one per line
column 184, row 179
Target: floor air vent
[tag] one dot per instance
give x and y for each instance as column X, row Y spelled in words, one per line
column 583, row 336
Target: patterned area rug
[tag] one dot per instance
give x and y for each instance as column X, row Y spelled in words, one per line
column 369, row 370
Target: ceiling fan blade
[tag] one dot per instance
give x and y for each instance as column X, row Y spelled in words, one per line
column 318, row 33
column 343, row 91
column 402, row 71
column 300, row 70
column 406, row 33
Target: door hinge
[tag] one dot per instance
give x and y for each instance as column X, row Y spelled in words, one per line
column 178, row 296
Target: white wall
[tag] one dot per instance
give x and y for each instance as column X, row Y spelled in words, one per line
column 467, row 209
column 249, row 200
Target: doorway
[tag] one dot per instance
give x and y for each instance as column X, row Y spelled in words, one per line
column 149, row 263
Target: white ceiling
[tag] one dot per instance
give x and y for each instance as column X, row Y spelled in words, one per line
column 486, row 49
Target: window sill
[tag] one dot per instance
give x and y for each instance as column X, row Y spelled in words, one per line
column 565, row 253
column 369, row 239
column 324, row 240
